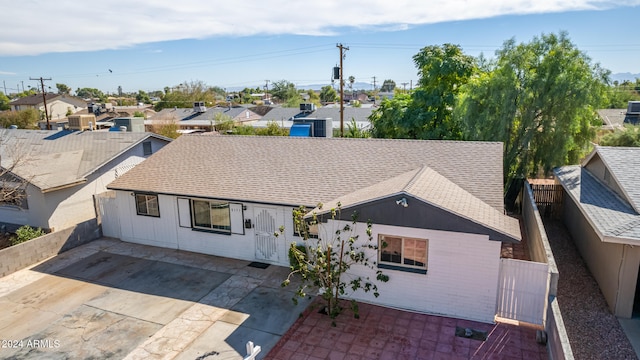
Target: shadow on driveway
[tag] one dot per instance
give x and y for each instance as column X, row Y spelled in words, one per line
column 111, row 300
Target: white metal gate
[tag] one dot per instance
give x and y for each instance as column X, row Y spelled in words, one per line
column 108, row 213
column 523, row 289
column 265, row 228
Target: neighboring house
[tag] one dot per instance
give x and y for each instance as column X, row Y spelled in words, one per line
column 437, row 203
column 201, row 118
column 602, row 212
column 57, row 105
column 64, row 169
column 612, row 119
column 284, row 117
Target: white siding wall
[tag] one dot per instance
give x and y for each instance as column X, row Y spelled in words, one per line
column 461, row 279
column 164, row 231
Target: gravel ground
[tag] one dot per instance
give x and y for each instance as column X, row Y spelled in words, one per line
column 594, row 332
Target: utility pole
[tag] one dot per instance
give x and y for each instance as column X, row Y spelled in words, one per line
column 374, row 83
column 342, row 55
column 5, row 87
column 267, row 88
column 404, row 87
column 44, row 98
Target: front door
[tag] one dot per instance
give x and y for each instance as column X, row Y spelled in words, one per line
column 265, row 228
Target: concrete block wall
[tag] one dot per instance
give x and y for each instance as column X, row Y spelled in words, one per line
column 540, row 250
column 30, row 252
column 537, row 241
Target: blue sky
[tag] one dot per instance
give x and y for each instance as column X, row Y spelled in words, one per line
column 152, row 44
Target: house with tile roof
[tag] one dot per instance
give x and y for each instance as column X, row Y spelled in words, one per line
column 438, row 202
column 62, row 171
column 601, row 210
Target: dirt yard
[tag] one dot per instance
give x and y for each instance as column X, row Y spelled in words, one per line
column 5, row 240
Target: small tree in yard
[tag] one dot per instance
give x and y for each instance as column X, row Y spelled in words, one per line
column 324, row 262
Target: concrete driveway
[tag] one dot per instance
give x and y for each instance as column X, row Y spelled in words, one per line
column 112, row 300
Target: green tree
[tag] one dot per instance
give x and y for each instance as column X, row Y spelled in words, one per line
column 388, row 85
column 328, row 94
column 387, row 120
column 63, row 89
column 4, row 102
column 629, row 137
column 143, row 97
column 185, row 94
column 324, row 260
column 284, row 91
column 442, row 71
column 427, row 113
column 539, row 99
column 90, row 93
column 23, row 119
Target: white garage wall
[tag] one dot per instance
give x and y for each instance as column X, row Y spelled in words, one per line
column 461, row 279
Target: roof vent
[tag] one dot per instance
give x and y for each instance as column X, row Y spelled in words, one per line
column 307, row 107
column 199, row 107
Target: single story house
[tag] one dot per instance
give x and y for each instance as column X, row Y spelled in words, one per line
column 58, row 172
column 200, row 117
column 58, row 105
column 601, row 210
column 437, row 203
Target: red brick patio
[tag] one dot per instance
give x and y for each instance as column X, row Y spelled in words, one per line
column 383, row 333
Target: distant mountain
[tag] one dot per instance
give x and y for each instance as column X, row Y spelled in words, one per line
column 620, row 77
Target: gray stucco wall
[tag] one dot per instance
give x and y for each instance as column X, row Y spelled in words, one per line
column 417, row 215
column 28, row 253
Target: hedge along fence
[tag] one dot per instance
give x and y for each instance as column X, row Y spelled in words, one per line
column 30, row 252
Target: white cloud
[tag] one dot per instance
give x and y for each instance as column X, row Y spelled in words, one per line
column 7, row 73
column 73, row 25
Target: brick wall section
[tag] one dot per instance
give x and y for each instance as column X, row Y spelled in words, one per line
column 28, row 253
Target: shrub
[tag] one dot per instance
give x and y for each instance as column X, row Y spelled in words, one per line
column 26, row 233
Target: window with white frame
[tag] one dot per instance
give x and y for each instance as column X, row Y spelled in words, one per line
column 211, row 215
column 400, row 253
column 147, row 205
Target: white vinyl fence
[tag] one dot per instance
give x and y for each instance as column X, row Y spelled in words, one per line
column 523, row 289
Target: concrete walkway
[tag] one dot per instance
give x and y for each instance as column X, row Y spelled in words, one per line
column 112, row 300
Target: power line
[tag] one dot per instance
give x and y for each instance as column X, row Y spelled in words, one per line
column 342, row 56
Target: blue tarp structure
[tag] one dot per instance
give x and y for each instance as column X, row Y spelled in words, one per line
column 302, row 130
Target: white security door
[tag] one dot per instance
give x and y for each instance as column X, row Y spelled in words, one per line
column 265, row 227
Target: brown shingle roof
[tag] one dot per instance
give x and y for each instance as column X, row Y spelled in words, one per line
column 433, row 188
column 305, row 171
column 33, row 99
